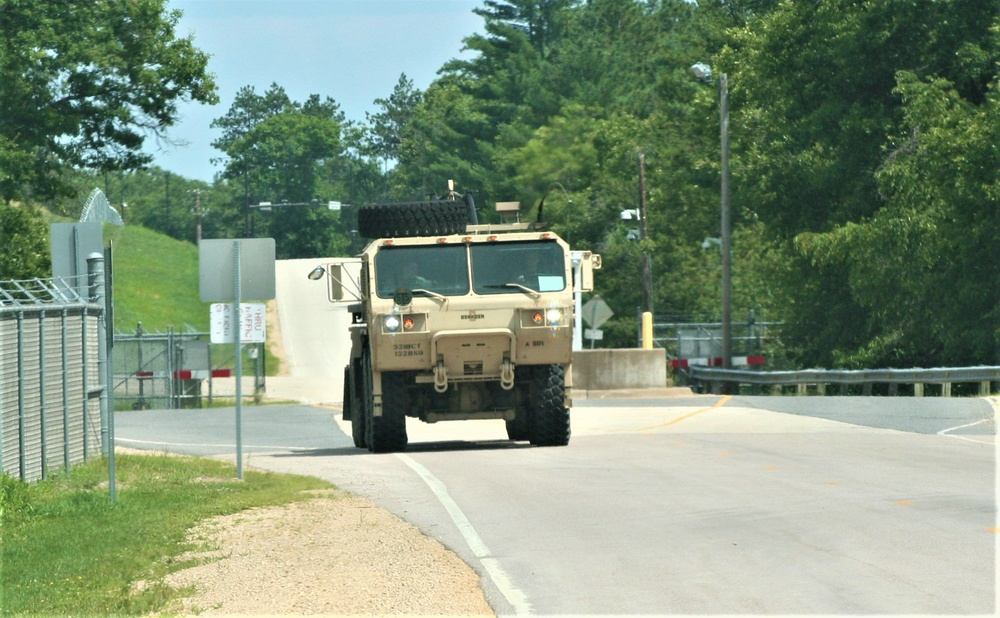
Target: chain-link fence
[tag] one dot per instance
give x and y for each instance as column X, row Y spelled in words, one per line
column 50, row 378
column 169, row 370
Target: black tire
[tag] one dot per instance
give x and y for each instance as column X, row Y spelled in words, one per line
column 361, row 401
column 405, row 219
column 549, row 415
column 387, row 433
column 518, row 429
column 347, row 409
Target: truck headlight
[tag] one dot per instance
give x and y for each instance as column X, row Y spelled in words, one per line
column 553, row 317
column 391, row 323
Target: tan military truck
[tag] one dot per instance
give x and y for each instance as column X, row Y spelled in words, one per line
column 459, row 321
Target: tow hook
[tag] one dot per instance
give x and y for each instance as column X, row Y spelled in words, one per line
column 507, row 375
column 440, row 377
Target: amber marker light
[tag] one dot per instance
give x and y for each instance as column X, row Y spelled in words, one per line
column 407, row 323
column 538, row 317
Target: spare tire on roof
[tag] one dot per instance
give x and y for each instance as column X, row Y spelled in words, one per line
column 404, row 219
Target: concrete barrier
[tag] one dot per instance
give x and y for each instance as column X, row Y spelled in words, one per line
column 616, row 369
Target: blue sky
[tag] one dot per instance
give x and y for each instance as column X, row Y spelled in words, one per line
column 350, row 50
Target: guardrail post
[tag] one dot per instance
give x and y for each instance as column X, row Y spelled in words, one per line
column 946, row 389
column 918, row 389
column 984, row 388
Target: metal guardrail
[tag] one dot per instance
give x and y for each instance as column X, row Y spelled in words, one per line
column 725, row 379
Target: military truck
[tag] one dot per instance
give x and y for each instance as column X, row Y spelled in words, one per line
column 457, row 320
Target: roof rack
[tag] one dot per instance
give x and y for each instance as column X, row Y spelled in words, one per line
column 488, row 228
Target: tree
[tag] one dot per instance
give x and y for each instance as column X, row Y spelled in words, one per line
column 816, row 109
column 25, row 239
column 283, row 151
column 84, row 84
column 386, row 128
column 248, row 110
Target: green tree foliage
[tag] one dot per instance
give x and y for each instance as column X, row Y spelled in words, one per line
column 281, row 151
column 386, row 127
column 837, row 102
column 25, row 241
column 84, row 84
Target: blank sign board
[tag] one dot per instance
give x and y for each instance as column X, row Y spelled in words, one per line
column 217, row 267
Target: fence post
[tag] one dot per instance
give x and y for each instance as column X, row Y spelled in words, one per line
column 67, row 455
column 22, row 464
column 95, row 272
column 42, row 407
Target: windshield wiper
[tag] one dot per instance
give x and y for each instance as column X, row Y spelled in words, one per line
column 429, row 293
column 523, row 288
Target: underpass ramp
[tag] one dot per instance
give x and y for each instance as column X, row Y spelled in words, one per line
column 313, row 341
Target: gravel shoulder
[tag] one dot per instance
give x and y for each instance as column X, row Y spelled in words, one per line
column 336, row 554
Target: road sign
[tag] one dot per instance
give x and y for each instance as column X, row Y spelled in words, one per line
column 253, row 323
column 217, row 272
column 596, row 312
column 593, row 333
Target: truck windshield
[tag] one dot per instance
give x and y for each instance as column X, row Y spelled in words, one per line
column 441, row 270
column 509, row 268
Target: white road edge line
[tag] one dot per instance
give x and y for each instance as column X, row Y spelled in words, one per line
column 514, row 595
column 947, row 432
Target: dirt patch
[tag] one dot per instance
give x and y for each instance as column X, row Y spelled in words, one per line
column 331, row 555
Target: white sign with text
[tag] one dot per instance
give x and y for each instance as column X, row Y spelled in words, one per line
column 252, row 323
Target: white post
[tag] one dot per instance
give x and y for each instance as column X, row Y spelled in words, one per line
column 577, row 257
column 239, row 359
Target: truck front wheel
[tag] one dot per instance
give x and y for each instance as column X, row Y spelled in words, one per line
column 387, row 433
column 549, row 415
column 354, row 390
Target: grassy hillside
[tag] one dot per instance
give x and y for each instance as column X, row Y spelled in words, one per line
column 156, row 281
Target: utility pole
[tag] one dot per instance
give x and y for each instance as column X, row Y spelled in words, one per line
column 726, row 240
column 197, row 214
column 647, row 269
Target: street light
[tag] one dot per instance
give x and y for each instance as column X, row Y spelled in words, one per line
column 565, row 192
column 703, row 73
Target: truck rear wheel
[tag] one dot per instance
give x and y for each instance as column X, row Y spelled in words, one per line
column 406, row 219
column 387, row 433
column 549, row 415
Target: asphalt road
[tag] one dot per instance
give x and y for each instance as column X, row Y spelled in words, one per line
column 694, row 505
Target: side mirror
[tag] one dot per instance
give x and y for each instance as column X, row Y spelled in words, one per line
column 589, row 262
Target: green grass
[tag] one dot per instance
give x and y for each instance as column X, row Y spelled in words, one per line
column 66, row 549
column 156, row 281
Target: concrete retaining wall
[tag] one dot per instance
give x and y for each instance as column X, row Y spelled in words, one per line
column 615, row 369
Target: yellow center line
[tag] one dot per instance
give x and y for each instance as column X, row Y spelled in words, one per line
column 718, row 404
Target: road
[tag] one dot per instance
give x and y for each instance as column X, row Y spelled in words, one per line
column 701, row 504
